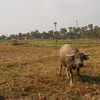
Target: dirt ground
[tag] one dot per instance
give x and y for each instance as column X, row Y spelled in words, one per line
column 30, row 72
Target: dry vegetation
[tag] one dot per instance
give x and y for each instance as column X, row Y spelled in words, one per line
column 30, row 72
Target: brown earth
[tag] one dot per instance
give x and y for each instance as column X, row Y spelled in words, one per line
column 31, row 72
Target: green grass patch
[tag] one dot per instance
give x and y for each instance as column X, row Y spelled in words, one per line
column 58, row 44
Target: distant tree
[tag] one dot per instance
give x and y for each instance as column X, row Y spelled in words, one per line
column 28, row 34
column 63, row 31
column 38, row 36
column 32, row 34
column 85, row 28
column 98, row 33
column 13, row 36
column 82, row 32
column 36, row 31
column 45, row 35
column 20, row 35
column 74, row 29
column 88, row 34
column 79, row 32
column 70, row 29
column 96, row 27
column 2, row 37
column 56, row 35
column 90, row 26
column 50, row 33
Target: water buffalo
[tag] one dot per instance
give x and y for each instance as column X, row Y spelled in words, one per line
column 71, row 58
column 14, row 40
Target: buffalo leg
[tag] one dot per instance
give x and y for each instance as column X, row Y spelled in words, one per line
column 78, row 75
column 71, row 76
column 60, row 70
column 67, row 73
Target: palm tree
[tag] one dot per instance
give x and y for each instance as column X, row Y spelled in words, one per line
column 79, row 32
column 85, row 28
column 55, row 25
column 70, row 29
column 36, row 31
column 28, row 34
column 63, row 30
column 20, row 35
column 32, row 34
column 96, row 32
column 90, row 26
column 82, row 31
column 50, row 33
column 96, row 27
column 74, row 29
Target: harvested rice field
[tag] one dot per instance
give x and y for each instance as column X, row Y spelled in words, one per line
column 29, row 71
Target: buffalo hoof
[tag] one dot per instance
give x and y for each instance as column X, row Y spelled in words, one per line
column 59, row 74
column 71, row 84
column 68, row 77
column 79, row 81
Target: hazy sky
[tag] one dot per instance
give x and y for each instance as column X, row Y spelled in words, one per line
column 28, row 15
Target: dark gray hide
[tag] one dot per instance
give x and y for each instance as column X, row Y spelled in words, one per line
column 71, row 58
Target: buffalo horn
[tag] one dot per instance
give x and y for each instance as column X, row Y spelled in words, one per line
column 70, row 54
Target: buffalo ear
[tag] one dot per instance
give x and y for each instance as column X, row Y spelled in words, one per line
column 86, row 57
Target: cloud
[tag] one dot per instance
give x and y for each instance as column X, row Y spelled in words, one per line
column 46, row 6
column 75, row 1
column 51, row 6
column 48, row 3
column 20, row 3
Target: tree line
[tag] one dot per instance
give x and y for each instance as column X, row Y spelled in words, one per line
column 86, row 32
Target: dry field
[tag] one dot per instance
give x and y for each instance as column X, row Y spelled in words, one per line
column 30, row 72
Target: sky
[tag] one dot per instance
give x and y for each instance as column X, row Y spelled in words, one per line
column 22, row 16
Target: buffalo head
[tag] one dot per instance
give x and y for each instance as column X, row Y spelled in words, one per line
column 78, row 58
